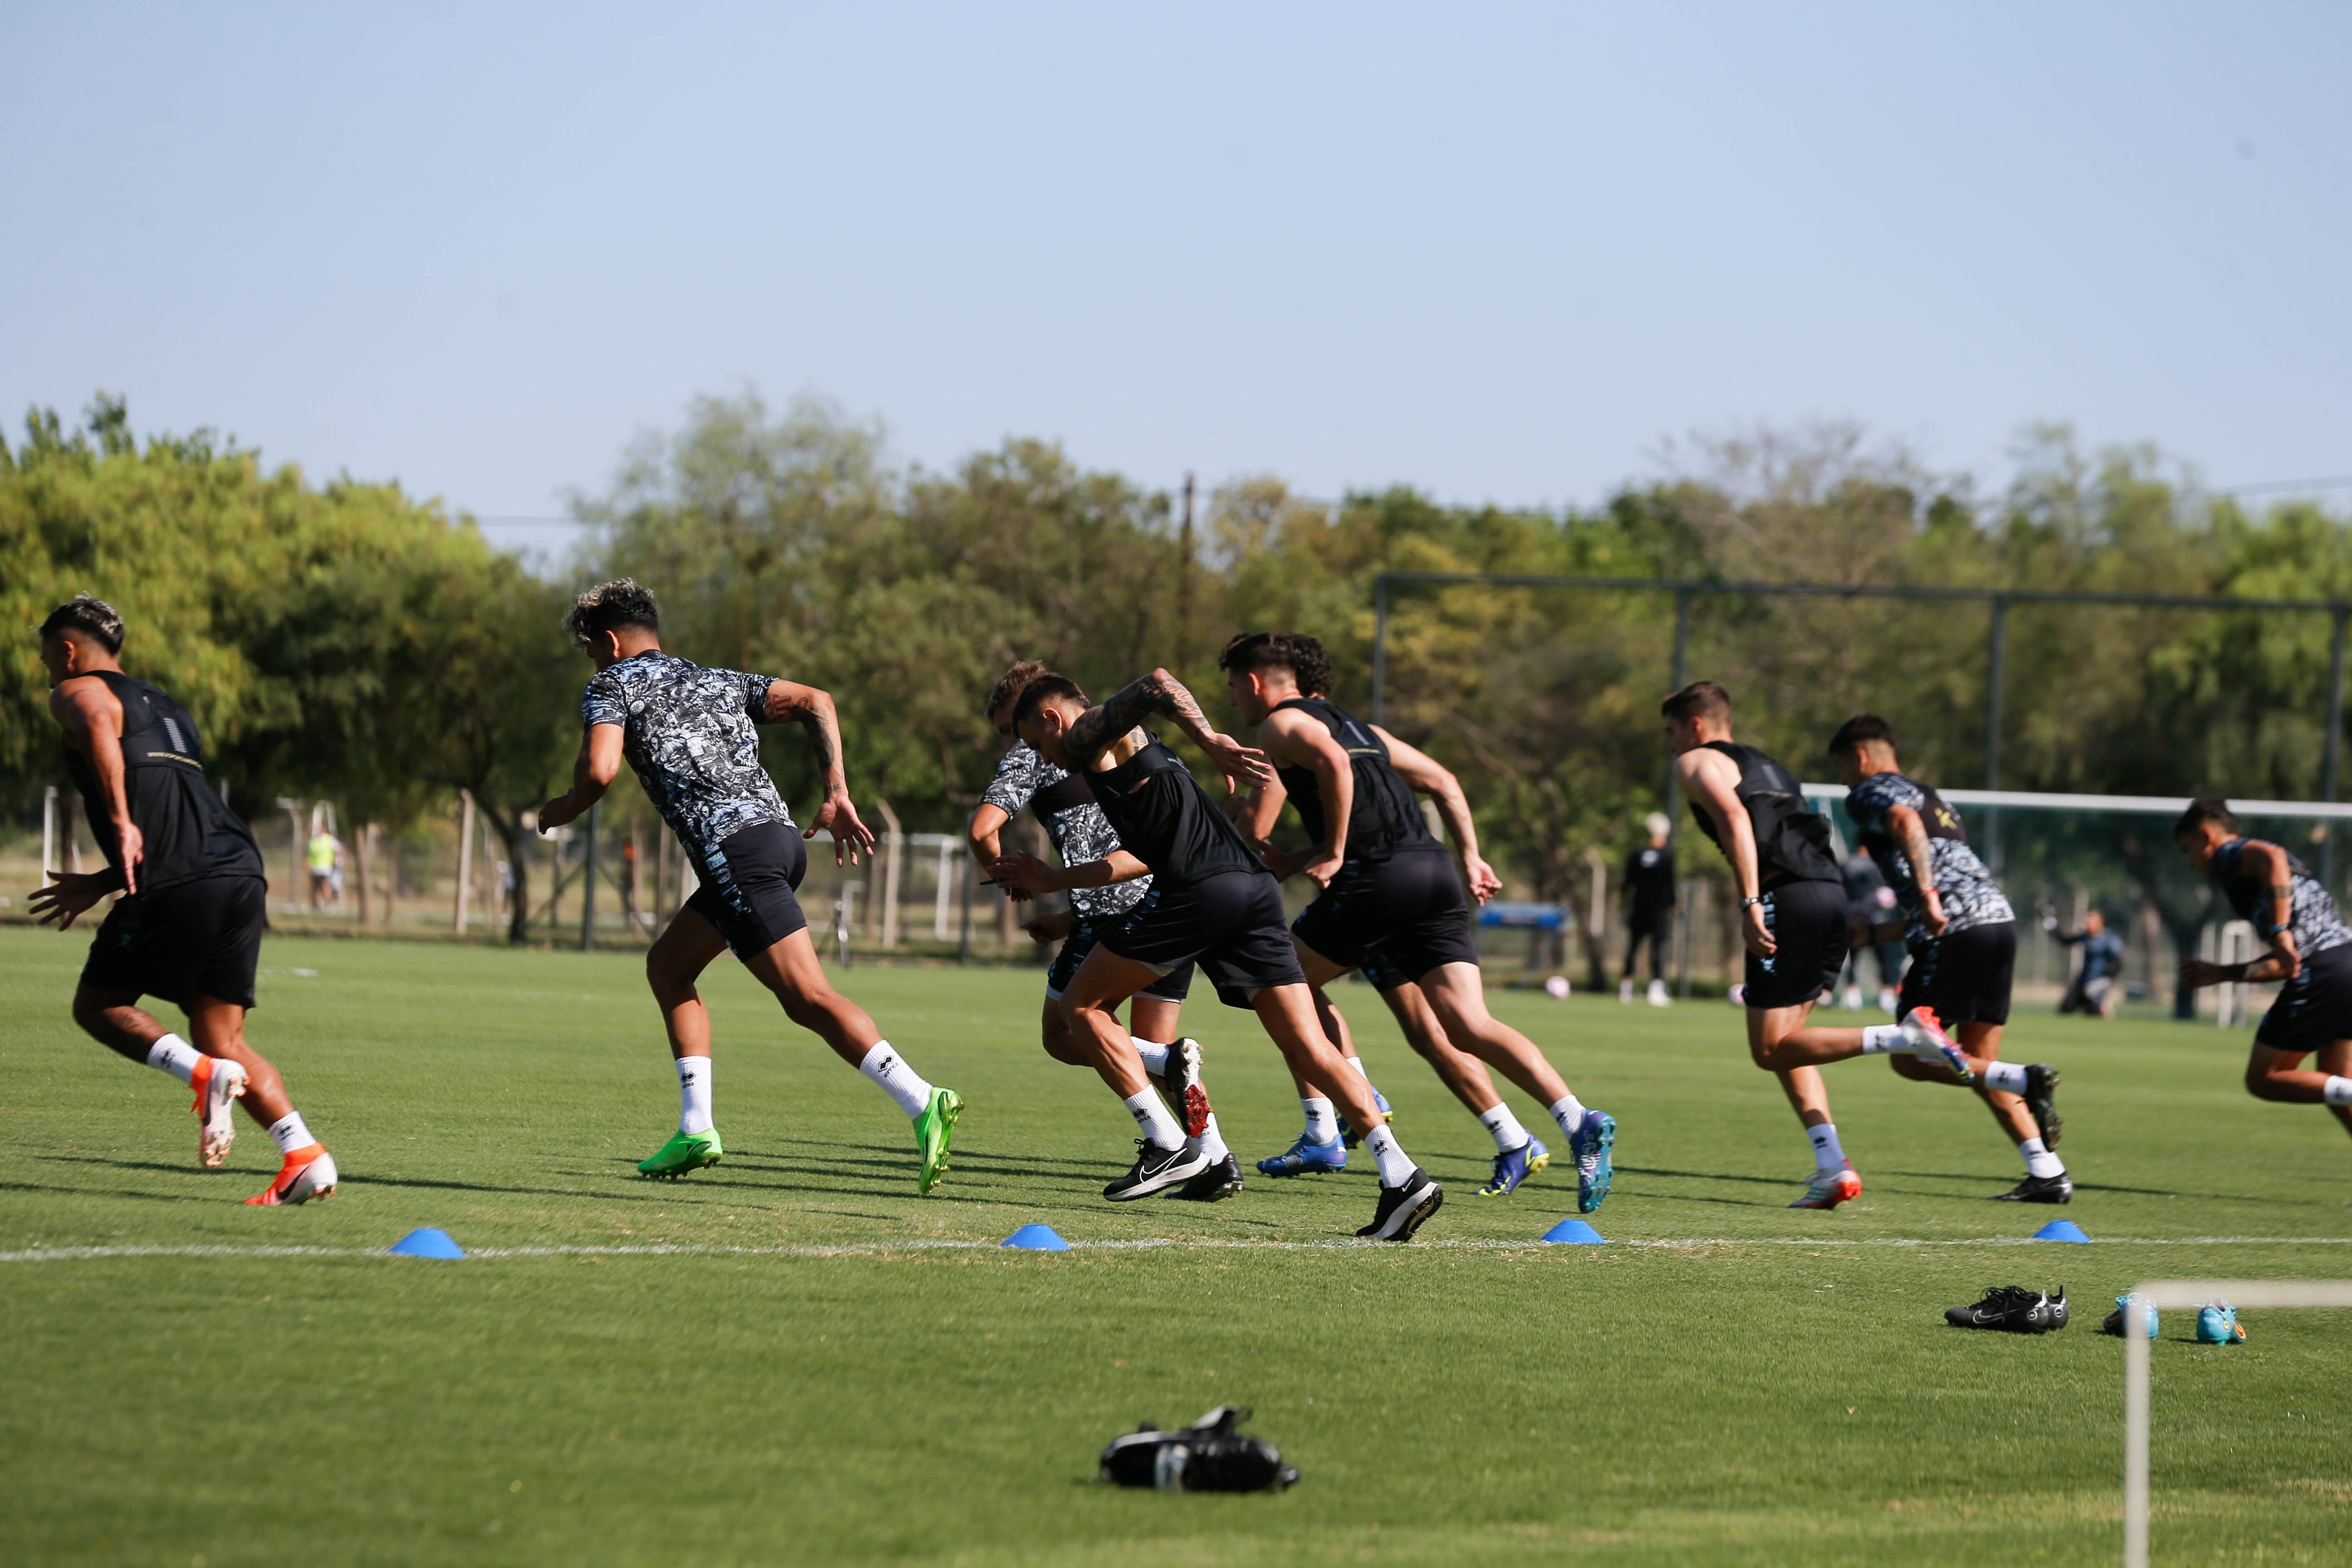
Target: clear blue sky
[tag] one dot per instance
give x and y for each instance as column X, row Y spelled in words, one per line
column 1497, row 252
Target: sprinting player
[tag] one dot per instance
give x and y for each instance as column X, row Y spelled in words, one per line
column 1651, row 895
column 1391, row 902
column 1212, row 902
column 1104, row 884
column 188, row 926
column 692, row 736
column 1792, row 918
column 2093, row 989
column 2310, row 950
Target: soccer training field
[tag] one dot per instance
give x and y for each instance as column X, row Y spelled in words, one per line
column 1776, row 1387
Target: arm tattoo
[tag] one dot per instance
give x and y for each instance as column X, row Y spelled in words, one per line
column 1094, row 730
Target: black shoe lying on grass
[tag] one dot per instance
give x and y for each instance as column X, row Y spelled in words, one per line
column 2012, row 1308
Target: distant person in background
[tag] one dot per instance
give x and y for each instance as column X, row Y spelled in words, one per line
column 1648, row 886
column 326, row 859
column 1870, row 904
column 2094, row 988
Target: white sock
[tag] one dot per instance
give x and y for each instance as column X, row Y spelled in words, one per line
column 2338, row 1092
column 1154, row 1054
column 1322, row 1122
column 1509, row 1133
column 175, row 1056
column 1396, row 1168
column 1568, row 1112
column 1160, row 1129
column 1879, row 1038
column 1828, row 1153
column 897, row 1080
column 1211, row 1142
column 694, row 1094
column 2039, row 1160
column 2009, row 1077
column 289, row 1134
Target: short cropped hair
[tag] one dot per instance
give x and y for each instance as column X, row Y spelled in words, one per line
column 90, row 615
column 1042, row 690
column 1302, row 655
column 2203, row 809
column 1700, row 699
column 608, row 607
column 1860, row 730
column 1012, row 685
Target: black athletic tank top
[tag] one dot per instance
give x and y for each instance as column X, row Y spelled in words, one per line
column 189, row 833
column 1165, row 819
column 1385, row 817
column 1793, row 842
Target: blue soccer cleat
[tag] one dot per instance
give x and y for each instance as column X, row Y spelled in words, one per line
column 2114, row 1323
column 2216, row 1323
column 1303, row 1158
column 1349, row 1137
column 1514, row 1167
column 1595, row 1136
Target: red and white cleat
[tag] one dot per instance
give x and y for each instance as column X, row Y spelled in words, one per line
column 1929, row 1043
column 217, row 1082
column 306, row 1174
column 1827, row 1189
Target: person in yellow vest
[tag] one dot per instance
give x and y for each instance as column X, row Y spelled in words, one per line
column 325, row 856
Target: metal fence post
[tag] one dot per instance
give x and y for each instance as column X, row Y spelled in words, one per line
column 2335, row 742
column 588, row 881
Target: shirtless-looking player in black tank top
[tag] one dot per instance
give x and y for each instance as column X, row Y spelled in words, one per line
column 188, row 927
column 1212, row 902
column 1792, row 919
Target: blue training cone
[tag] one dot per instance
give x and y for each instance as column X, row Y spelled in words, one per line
column 2061, row 1231
column 1037, row 1238
column 425, row 1242
column 1575, row 1232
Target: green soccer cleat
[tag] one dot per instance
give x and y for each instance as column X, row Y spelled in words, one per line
column 934, row 1132
column 684, row 1152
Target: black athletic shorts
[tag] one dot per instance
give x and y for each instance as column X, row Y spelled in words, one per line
column 2315, row 1008
column 1172, row 987
column 1807, row 920
column 1230, row 923
column 197, row 939
column 748, row 892
column 1963, row 975
column 1395, row 919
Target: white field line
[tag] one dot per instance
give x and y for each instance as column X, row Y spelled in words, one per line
column 883, row 1248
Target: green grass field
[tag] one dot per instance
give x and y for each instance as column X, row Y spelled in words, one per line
column 1777, row 1386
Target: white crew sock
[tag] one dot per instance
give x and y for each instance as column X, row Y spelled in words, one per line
column 1828, row 1153
column 1357, row 1063
column 1154, row 1054
column 1880, row 1039
column 2338, row 1092
column 1161, row 1130
column 1509, row 1133
column 2009, row 1077
column 1322, row 1121
column 2039, row 1160
column 694, row 1094
column 175, row 1056
column 1568, row 1112
column 1211, row 1142
column 1396, row 1168
column 897, row 1080
column 289, row 1133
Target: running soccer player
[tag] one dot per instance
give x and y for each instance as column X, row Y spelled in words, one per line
column 1104, row 884
column 188, row 926
column 1213, row 902
column 2310, row 949
column 1792, row 921
column 1391, row 902
column 690, row 736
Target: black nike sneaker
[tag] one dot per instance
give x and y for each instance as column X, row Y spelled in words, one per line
column 1403, row 1208
column 1217, row 1182
column 2041, row 1086
column 1156, row 1169
column 2012, row 1309
column 2059, row 1188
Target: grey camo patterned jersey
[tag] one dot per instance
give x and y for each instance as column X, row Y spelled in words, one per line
column 1972, row 897
column 692, row 736
column 2312, row 914
column 1080, row 834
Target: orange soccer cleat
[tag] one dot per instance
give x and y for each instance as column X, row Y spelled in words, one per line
column 308, row 1173
column 217, row 1081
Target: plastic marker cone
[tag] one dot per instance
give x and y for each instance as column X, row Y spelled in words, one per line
column 426, row 1242
column 1575, row 1231
column 2061, row 1231
column 1037, row 1238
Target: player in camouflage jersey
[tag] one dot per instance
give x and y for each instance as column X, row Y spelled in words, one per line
column 691, row 737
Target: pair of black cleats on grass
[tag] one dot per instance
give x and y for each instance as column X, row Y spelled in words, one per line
column 2014, row 1309
column 1401, row 1211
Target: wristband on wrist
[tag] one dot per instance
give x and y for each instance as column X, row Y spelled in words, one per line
column 1746, row 901
column 2235, row 971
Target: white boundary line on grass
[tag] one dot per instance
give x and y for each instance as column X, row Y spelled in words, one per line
column 877, row 1248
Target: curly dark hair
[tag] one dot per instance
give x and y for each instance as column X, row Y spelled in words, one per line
column 608, row 607
column 91, row 616
column 1010, row 687
column 1302, row 655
